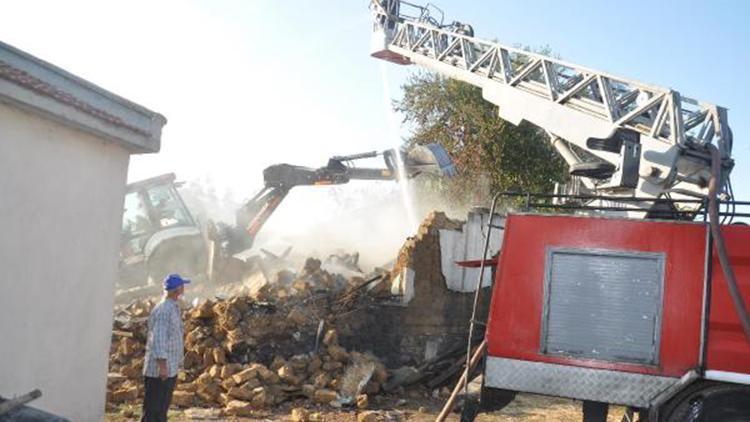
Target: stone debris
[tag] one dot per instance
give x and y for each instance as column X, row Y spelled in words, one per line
column 324, row 396
column 363, row 401
column 198, row 413
column 239, row 408
column 292, row 338
column 300, row 414
column 368, row 416
column 356, row 377
column 246, row 353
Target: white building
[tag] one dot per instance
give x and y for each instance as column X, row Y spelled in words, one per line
column 64, row 150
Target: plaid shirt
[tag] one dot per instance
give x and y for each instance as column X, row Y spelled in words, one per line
column 165, row 339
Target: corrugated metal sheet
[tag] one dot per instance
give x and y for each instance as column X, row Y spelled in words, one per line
column 603, row 305
column 468, row 244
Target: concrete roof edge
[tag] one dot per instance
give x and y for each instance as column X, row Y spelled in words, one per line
column 35, row 85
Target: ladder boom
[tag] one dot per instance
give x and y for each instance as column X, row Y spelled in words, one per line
column 655, row 140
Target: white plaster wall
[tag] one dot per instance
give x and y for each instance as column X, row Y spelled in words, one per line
column 467, row 244
column 61, row 195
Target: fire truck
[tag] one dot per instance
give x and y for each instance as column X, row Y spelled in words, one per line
column 636, row 295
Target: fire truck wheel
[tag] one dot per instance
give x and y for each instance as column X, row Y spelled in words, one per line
column 494, row 399
column 594, row 411
column 709, row 402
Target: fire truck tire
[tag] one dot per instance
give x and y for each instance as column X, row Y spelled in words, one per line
column 494, row 399
column 594, row 411
column 709, row 402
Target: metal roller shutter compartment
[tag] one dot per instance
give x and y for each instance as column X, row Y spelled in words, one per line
column 603, row 305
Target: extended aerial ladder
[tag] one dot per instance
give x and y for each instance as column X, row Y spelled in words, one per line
column 620, row 137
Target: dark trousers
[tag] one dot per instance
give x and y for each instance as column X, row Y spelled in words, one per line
column 158, row 397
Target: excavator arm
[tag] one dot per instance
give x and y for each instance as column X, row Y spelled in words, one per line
column 279, row 179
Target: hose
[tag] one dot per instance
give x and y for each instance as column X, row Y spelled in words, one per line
column 718, row 240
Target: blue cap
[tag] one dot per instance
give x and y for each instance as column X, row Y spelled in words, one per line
column 174, row 281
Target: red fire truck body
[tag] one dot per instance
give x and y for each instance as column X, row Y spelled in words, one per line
column 614, row 310
column 728, row 350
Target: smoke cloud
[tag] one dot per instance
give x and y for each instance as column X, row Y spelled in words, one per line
column 368, row 217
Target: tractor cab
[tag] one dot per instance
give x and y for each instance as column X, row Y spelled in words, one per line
column 159, row 235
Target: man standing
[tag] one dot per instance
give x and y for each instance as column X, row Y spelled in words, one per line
column 164, row 351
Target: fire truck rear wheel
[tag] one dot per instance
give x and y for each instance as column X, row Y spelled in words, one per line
column 493, row 399
column 709, row 402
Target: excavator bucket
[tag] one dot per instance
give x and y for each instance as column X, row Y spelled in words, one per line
column 430, row 158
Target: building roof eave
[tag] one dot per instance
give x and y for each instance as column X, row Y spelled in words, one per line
column 40, row 87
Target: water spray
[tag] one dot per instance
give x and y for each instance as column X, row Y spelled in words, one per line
column 406, row 195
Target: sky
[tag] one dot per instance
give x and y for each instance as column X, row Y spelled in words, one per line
column 246, row 84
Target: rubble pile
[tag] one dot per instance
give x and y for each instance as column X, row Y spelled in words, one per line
column 300, row 336
column 248, row 352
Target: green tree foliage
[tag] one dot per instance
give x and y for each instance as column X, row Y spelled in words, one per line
column 491, row 155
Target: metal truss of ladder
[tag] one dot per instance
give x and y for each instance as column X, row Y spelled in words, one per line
column 608, row 102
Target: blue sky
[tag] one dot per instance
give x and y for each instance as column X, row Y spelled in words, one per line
column 245, row 84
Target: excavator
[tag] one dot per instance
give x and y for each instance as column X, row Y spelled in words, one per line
column 160, row 235
column 279, row 179
column 637, row 293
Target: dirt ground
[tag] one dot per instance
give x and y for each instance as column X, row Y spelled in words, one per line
column 415, row 406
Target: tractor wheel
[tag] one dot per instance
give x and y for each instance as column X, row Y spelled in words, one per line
column 709, row 402
column 186, row 257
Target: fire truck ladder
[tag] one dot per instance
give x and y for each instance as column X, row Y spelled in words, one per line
column 623, row 137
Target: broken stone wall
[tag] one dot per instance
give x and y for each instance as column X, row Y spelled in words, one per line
column 425, row 318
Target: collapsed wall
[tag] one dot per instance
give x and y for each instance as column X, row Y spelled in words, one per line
column 424, row 318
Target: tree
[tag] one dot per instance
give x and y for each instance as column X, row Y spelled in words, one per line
column 490, row 154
